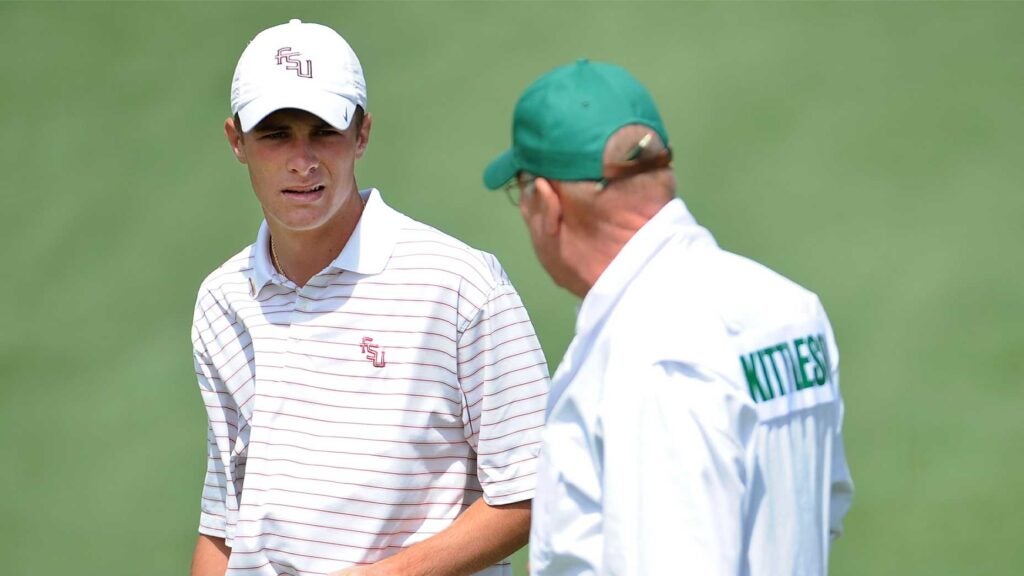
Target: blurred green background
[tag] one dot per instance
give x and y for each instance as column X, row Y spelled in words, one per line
column 873, row 152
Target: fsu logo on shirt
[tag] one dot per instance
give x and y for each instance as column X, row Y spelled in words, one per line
column 373, row 351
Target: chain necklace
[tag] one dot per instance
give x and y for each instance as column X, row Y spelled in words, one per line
column 273, row 257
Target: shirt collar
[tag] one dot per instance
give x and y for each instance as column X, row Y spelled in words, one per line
column 367, row 251
column 262, row 268
column 672, row 221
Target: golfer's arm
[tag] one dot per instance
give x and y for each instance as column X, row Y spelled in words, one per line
column 210, row 557
column 480, row 537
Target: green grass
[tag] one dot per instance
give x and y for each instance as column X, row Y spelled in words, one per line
column 871, row 151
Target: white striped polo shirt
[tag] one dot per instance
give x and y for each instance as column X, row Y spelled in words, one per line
column 361, row 413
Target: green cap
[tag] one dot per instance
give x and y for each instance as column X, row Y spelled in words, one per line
column 562, row 121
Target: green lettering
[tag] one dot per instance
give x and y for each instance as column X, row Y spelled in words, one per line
column 814, row 345
column 771, row 360
column 760, row 361
column 802, row 361
column 750, row 370
column 787, row 357
column 824, row 354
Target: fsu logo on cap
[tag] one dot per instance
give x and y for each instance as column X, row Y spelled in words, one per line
column 287, row 55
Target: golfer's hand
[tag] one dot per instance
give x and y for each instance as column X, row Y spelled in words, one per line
column 354, row 571
column 368, row 570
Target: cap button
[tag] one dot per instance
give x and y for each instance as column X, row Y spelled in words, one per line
column 295, row 21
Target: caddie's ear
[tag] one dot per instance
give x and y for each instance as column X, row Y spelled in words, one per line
column 234, row 135
column 548, row 200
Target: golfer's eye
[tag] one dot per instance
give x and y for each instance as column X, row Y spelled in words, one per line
column 276, row 135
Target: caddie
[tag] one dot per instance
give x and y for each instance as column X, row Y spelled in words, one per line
column 694, row 425
column 374, row 388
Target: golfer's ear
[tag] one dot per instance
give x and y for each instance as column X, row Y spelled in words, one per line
column 549, row 199
column 363, row 137
column 234, row 136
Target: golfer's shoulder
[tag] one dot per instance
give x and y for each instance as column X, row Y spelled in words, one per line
column 235, row 271
column 429, row 250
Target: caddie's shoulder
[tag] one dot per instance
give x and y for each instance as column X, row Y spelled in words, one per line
column 748, row 293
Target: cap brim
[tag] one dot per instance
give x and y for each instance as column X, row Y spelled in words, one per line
column 500, row 171
column 334, row 109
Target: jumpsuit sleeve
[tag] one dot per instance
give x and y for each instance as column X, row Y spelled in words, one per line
column 841, row 494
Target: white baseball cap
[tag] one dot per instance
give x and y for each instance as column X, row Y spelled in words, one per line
column 298, row 65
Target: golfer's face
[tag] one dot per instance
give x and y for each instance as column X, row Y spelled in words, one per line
column 301, row 168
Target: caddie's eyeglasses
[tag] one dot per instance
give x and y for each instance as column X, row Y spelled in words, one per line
column 634, row 164
column 515, row 189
